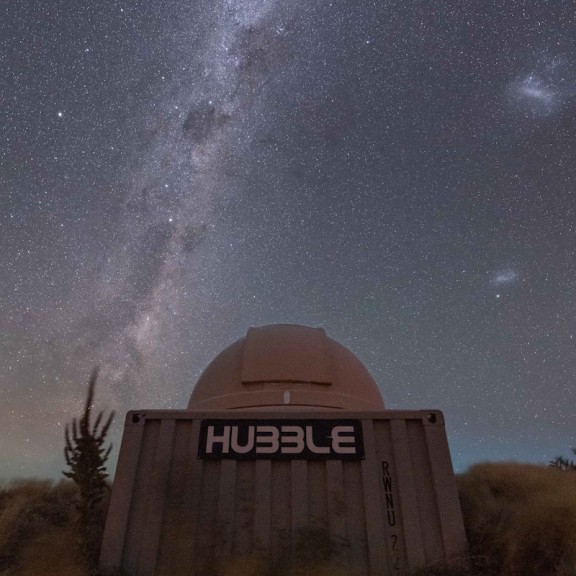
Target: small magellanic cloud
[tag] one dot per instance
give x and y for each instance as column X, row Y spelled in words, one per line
column 504, row 277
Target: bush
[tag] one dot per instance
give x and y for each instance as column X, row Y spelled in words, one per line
column 36, row 529
column 520, row 519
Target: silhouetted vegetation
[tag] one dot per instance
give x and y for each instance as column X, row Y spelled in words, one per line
column 520, row 520
column 312, row 553
column 86, row 458
column 564, row 463
column 38, row 531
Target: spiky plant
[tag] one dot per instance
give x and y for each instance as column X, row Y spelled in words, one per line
column 563, row 463
column 86, row 456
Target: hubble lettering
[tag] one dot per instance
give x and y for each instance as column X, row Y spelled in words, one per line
column 281, row 439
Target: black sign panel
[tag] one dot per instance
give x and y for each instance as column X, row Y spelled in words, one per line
column 281, row 439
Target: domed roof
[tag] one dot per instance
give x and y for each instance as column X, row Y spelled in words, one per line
column 286, row 367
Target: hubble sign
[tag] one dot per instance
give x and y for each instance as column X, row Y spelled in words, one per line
column 302, row 439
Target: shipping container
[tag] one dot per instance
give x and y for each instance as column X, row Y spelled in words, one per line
column 232, row 492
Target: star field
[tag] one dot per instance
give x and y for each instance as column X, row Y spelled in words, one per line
column 403, row 175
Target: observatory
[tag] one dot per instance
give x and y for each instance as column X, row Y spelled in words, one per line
column 285, row 459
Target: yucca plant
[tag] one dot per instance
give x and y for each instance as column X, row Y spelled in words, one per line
column 563, row 463
column 86, row 457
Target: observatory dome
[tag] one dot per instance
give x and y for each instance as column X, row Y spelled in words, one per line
column 286, row 367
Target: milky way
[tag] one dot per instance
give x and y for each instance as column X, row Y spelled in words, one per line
column 198, row 132
column 401, row 174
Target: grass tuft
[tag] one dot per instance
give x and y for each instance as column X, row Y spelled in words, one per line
column 520, row 520
column 38, row 530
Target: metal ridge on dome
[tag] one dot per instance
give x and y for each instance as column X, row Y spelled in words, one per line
column 286, row 367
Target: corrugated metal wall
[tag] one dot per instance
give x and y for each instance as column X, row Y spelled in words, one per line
column 172, row 513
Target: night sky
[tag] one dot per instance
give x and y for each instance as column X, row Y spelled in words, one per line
column 400, row 173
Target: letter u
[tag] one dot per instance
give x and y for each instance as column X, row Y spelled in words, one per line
column 249, row 443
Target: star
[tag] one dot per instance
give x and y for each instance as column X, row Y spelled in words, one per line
column 249, row 162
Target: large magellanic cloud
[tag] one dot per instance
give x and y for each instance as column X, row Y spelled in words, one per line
column 547, row 85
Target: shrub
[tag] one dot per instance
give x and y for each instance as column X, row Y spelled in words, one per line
column 520, row 519
column 36, row 529
column 564, row 463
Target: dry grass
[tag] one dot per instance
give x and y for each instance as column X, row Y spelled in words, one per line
column 520, row 519
column 37, row 531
